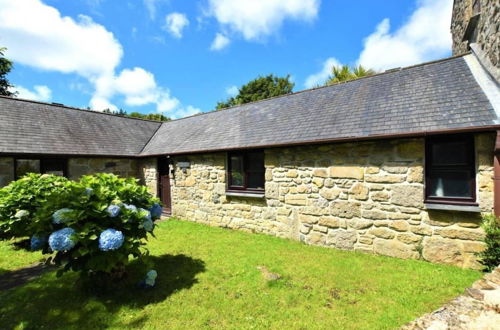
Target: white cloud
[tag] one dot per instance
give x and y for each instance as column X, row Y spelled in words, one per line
column 255, row 19
column 175, row 23
column 425, row 36
column 220, row 42
column 38, row 36
column 320, row 77
column 39, row 93
column 232, row 90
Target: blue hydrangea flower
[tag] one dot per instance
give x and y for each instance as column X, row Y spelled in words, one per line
column 148, row 224
column 151, row 278
column 130, row 207
column 61, row 216
column 111, row 239
column 113, row 210
column 156, row 210
column 38, row 242
column 89, row 191
column 21, row 214
column 62, row 240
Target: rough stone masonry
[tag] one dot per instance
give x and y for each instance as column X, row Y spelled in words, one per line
column 364, row 196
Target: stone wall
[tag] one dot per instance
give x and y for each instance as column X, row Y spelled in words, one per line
column 6, row 170
column 487, row 35
column 120, row 166
column 355, row 196
column 148, row 174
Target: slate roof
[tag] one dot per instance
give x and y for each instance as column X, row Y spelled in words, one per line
column 441, row 95
column 435, row 96
column 41, row 128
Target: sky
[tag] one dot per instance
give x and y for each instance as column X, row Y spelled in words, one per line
column 180, row 57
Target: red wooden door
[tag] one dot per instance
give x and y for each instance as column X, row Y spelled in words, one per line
column 165, row 193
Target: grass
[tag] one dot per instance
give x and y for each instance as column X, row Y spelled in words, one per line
column 208, row 279
column 13, row 256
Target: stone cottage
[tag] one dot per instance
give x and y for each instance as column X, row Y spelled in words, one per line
column 402, row 163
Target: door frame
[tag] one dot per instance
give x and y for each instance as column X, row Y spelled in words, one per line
column 163, row 166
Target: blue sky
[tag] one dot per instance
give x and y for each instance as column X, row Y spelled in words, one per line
column 181, row 57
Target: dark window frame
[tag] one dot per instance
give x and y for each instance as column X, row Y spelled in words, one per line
column 244, row 154
column 43, row 164
column 468, row 141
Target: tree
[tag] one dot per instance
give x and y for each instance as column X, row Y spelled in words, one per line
column 149, row 116
column 345, row 73
column 258, row 89
column 5, row 67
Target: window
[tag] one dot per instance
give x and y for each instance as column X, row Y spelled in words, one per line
column 450, row 170
column 55, row 166
column 246, row 171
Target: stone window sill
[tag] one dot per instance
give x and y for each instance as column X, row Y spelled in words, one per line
column 451, row 207
column 245, row 194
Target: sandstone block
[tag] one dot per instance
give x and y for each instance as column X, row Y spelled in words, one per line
column 416, row 174
column 190, row 181
column 330, row 222
column 372, row 170
column 394, row 248
column 296, row 199
column 460, row 233
column 318, row 182
column 320, row 172
column 272, row 190
column 309, row 219
column 399, row 225
column 408, row 238
column 380, row 196
column 408, row 195
column 385, row 178
column 342, row 239
column 316, row 238
column 421, row 230
column 382, row 232
column 349, row 172
column 374, row 214
column 292, row 174
column 345, row 209
column 329, row 193
column 321, row 229
column 359, row 223
column 359, row 191
column 444, row 251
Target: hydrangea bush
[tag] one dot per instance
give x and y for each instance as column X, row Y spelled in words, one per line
column 95, row 225
column 20, row 199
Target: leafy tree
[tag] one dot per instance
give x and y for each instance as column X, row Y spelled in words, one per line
column 149, row 116
column 346, row 73
column 5, row 67
column 259, row 89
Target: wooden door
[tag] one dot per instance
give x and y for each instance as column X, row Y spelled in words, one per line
column 164, row 186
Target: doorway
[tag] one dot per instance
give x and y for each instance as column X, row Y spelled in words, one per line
column 164, row 185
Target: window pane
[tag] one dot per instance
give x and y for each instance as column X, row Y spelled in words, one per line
column 255, row 180
column 450, row 153
column 54, row 166
column 255, row 162
column 24, row 166
column 450, row 184
column 237, row 170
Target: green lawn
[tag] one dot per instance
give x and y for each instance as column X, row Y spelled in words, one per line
column 208, row 279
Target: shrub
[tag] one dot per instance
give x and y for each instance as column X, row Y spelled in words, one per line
column 20, row 200
column 94, row 225
column 490, row 257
